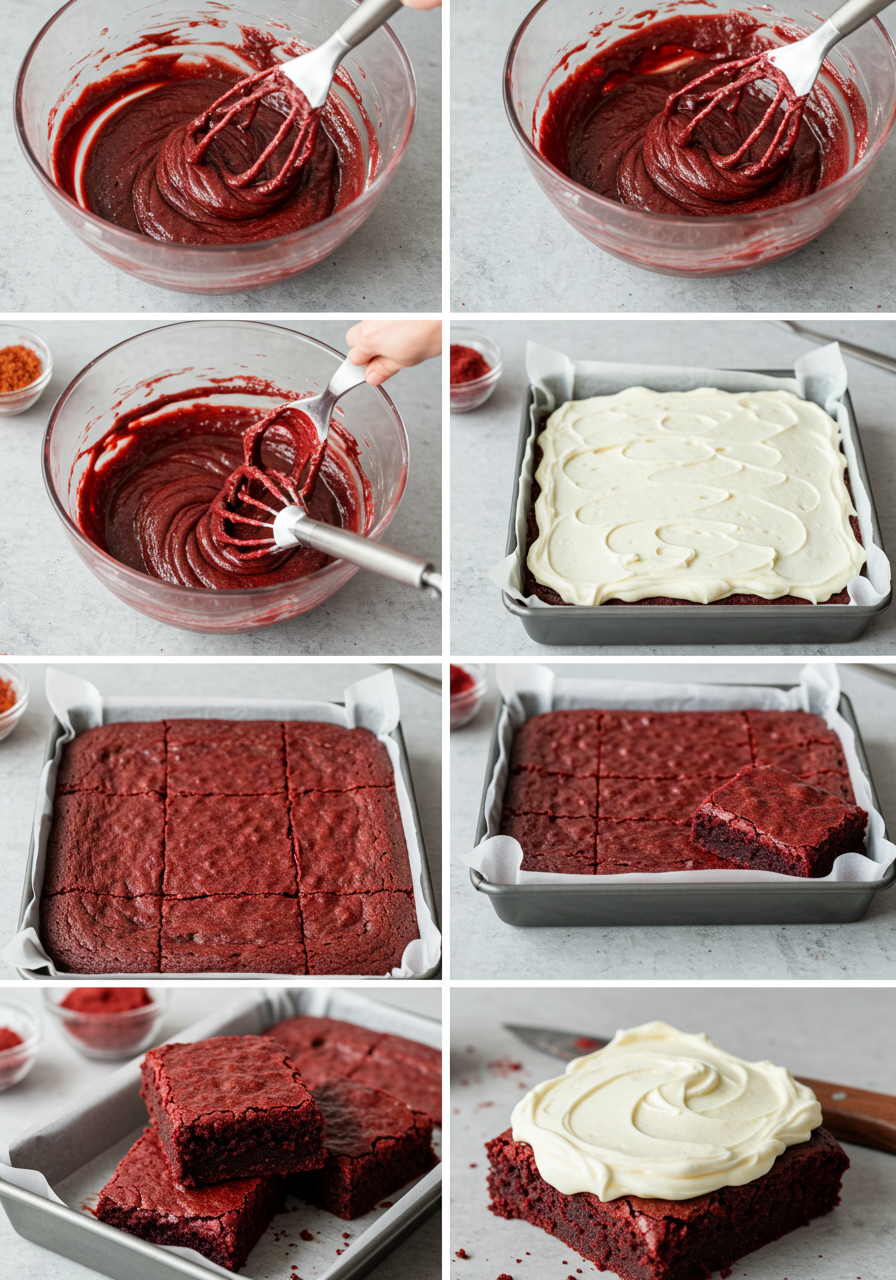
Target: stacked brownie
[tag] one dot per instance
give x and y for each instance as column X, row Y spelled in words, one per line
column 597, row 792
column 185, row 846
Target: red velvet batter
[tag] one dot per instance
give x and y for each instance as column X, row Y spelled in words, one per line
column 106, row 999
column 147, row 487
column 148, row 168
column 467, row 365
column 8, row 1039
column 606, row 128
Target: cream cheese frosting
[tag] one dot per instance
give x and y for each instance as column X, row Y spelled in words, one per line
column 695, row 495
column 662, row 1114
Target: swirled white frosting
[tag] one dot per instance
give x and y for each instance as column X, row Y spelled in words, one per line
column 695, row 495
column 662, row 1114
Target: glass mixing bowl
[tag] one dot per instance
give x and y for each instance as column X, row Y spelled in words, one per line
column 194, row 354
column 81, row 44
column 558, row 36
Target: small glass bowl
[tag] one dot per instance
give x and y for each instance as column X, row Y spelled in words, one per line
column 109, row 1035
column 13, row 402
column 470, row 395
column 11, row 717
column 15, row 1063
column 464, row 705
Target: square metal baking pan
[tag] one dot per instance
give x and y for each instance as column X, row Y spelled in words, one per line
column 56, row 732
column 693, row 624
column 112, row 1252
column 767, row 902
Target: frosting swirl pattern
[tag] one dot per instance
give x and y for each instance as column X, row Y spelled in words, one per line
column 695, row 495
column 663, row 1115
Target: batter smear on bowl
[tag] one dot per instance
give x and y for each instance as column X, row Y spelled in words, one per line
column 625, row 125
column 148, row 486
column 143, row 148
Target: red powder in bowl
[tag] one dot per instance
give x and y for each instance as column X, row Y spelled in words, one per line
column 106, row 999
column 9, row 1039
column 108, row 1018
column 467, row 365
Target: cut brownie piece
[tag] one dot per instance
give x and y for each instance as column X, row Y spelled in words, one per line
column 328, row 757
column 562, row 795
column 414, row 1083
column 640, row 1239
column 802, row 758
column 232, row 757
column 357, row 933
column 92, row 933
column 236, row 933
column 223, row 1223
column 375, row 1145
column 557, row 845
column 625, row 847
column 669, row 799
column 558, row 742
column 837, row 783
column 674, row 744
column 324, row 1048
column 228, row 844
column 770, row 820
column 118, row 759
column 231, row 1107
column 350, row 841
column 786, row 728
column 107, row 844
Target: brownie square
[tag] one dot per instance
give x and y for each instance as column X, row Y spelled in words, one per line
column 223, row 1222
column 118, row 759
column 564, row 845
column 672, row 744
column 108, row 844
column 837, row 783
column 398, row 1048
column 640, row 1239
column 239, row 933
column 786, row 728
column 328, row 757
column 357, row 933
column 375, row 1145
column 324, row 1048
column 228, row 844
column 770, row 820
column 231, row 1107
column 350, row 841
column 413, row 1082
column 670, row 799
column 558, row 742
column 207, row 757
column 803, row 758
column 625, row 847
column 531, row 791
column 93, row 933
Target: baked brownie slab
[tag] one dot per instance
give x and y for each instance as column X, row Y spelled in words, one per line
column 328, row 757
column 223, row 1222
column 669, row 799
column 769, row 820
column 232, row 933
column 324, row 1048
column 243, row 759
column 93, row 933
column 228, row 844
column 558, row 742
column 562, row 795
column 624, row 847
column 640, row 1239
column 350, row 841
column 803, row 758
column 375, row 1145
column 108, row 844
column 363, row 933
column 118, row 759
column 564, row 845
column 231, row 1107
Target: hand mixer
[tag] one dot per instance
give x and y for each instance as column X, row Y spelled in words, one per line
column 262, row 514
column 304, row 82
column 792, row 70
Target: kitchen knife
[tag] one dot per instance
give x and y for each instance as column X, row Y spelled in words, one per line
column 851, row 1115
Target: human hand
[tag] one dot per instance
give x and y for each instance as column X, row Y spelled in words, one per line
column 388, row 346
column 423, row 4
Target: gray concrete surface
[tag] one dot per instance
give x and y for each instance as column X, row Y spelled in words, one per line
column 484, row 947
column 512, row 251
column 392, row 263
column 484, row 445
column 22, row 753
column 840, row 1036
column 53, row 604
column 61, row 1074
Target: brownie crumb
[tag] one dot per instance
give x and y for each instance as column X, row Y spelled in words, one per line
column 461, row 1253
column 305, row 1234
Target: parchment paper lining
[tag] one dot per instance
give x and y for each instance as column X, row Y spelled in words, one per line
column 819, row 375
column 530, row 689
column 371, row 704
column 71, row 1156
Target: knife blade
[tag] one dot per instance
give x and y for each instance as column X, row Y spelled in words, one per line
column 852, row 1115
